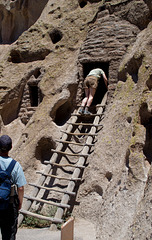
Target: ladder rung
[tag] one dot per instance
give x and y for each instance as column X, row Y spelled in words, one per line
column 100, row 105
column 53, row 220
column 75, row 143
column 89, row 115
column 46, row 201
column 64, row 165
column 62, row 178
column 69, row 154
column 53, row 189
column 80, row 134
column 86, row 124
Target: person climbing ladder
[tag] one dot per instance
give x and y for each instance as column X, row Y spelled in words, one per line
column 90, row 86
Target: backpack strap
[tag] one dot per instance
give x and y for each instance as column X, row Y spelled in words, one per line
column 10, row 167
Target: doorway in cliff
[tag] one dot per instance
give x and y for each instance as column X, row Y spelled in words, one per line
column 35, row 95
column 101, row 89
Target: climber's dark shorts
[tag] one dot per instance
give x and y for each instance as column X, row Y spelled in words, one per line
column 90, row 81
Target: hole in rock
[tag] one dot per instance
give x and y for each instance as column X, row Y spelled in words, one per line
column 149, row 83
column 108, row 175
column 129, row 119
column 101, row 89
column 15, row 56
column 146, row 121
column 37, row 73
column 98, row 190
column 148, row 143
column 82, row 3
column 35, row 95
column 135, row 77
column 127, row 158
column 132, row 68
column 56, row 35
column 43, row 149
column 145, row 114
column 63, row 113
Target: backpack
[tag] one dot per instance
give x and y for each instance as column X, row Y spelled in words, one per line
column 5, row 185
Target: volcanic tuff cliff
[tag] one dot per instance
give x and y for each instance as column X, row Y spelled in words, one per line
column 47, row 47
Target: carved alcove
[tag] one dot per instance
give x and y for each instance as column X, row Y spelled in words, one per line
column 31, row 98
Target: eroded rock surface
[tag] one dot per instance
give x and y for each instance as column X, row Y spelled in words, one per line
column 47, row 48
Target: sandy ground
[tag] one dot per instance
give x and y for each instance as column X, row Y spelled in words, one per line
column 83, row 230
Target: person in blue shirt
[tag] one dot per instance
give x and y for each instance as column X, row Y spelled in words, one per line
column 9, row 216
column 90, row 86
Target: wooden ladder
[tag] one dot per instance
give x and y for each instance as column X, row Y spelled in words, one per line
column 63, row 173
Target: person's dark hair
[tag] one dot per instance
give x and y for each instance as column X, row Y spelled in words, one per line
column 5, row 143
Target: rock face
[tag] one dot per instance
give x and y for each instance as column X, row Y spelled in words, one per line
column 17, row 16
column 41, row 75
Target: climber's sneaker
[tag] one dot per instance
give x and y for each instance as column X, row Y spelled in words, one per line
column 81, row 111
column 86, row 112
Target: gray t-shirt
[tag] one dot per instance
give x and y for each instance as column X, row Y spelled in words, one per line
column 97, row 72
column 17, row 175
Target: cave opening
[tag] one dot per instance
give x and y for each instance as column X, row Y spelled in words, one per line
column 56, row 35
column 37, row 73
column 33, row 95
column 14, row 56
column 148, row 142
column 146, row 121
column 43, row 149
column 101, row 89
column 63, row 113
column 108, row 175
column 82, row 3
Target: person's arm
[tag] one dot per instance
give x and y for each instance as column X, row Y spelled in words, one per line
column 20, row 191
column 105, row 80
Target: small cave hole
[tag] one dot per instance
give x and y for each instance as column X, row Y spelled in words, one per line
column 149, row 83
column 108, row 175
column 129, row 119
column 37, row 73
column 63, row 113
column 145, row 114
column 134, row 77
column 98, row 190
column 127, row 158
column 148, row 143
column 14, row 57
column 146, row 121
column 82, row 3
column 43, row 149
column 133, row 67
column 119, row 182
column 56, row 35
